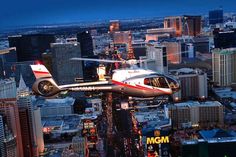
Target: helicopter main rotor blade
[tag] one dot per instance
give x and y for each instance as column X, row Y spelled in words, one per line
column 96, row 60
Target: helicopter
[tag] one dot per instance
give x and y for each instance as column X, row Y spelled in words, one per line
column 133, row 82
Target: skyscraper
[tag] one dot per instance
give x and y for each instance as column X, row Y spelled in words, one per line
column 216, row 16
column 38, row 130
column 61, row 55
column 30, row 47
column 224, row 66
column 192, row 25
column 9, row 110
column 193, row 113
column 2, row 137
column 193, row 83
column 174, row 22
column 86, row 44
column 28, row 121
column 184, row 25
column 224, row 38
column 158, row 58
column 10, row 144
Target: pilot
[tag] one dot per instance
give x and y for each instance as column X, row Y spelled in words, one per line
column 146, row 81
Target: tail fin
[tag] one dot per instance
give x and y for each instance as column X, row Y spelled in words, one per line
column 40, row 71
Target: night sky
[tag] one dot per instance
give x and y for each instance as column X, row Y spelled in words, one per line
column 15, row 13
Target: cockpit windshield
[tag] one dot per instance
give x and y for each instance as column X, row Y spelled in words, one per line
column 156, row 82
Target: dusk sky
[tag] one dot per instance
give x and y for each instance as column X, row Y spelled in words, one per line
column 15, row 13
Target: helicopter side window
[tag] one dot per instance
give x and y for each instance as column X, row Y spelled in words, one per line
column 159, row 82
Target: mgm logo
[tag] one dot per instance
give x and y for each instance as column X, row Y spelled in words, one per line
column 158, row 140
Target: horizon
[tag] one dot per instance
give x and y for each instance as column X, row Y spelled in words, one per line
column 50, row 12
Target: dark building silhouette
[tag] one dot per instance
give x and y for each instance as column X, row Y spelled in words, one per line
column 215, row 16
column 139, row 50
column 86, row 43
column 224, row 38
column 30, row 47
column 86, row 46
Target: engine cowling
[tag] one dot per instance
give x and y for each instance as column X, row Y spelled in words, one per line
column 45, row 87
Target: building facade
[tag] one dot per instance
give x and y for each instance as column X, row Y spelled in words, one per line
column 30, row 47
column 174, row 22
column 28, row 120
column 173, row 50
column 193, row 113
column 86, row 44
column 157, row 56
column 224, row 66
column 193, row 84
column 216, row 17
column 61, row 55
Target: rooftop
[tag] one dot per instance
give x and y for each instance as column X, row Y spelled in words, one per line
column 225, row 93
column 185, row 71
column 152, row 119
column 68, row 101
column 67, row 122
column 213, row 136
column 227, row 51
column 196, row 103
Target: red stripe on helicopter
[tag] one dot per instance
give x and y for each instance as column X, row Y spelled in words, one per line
column 138, row 87
column 40, row 72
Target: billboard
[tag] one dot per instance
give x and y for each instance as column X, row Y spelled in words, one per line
column 158, row 144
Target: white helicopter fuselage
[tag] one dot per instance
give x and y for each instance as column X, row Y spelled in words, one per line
column 132, row 82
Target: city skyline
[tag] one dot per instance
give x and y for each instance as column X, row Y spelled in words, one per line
column 28, row 13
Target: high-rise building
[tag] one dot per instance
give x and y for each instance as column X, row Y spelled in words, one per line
column 86, row 44
column 216, row 17
column 175, row 22
column 156, row 54
column 193, row 113
column 173, row 50
column 224, row 66
column 2, row 137
column 30, row 47
column 61, row 55
column 193, row 83
column 9, row 110
column 184, row 25
column 192, row 25
column 28, row 121
column 114, row 26
column 10, row 144
column 38, row 130
column 224, row 38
